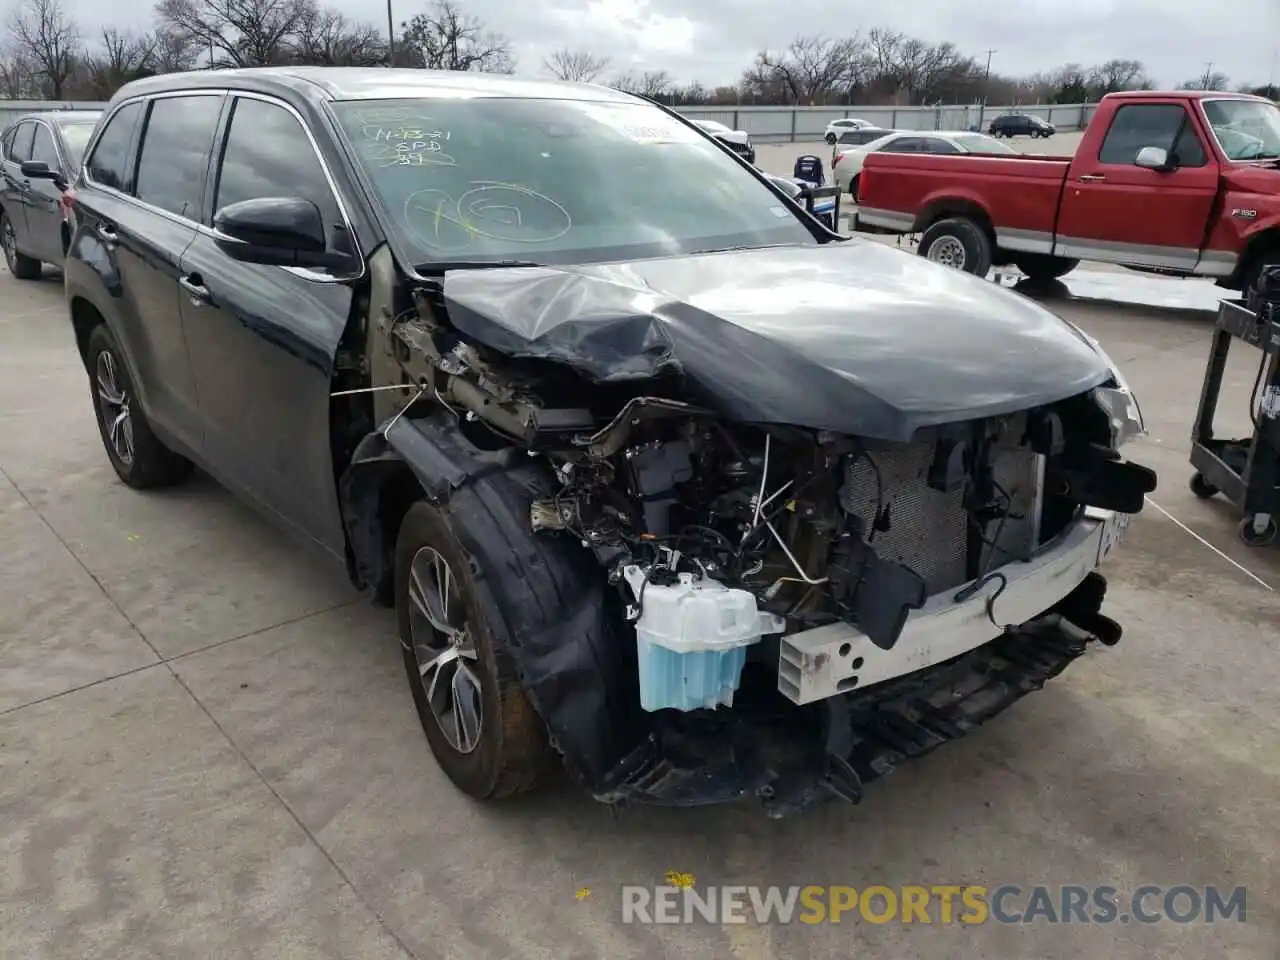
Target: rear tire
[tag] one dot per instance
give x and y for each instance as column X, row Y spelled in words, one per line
column 1041, row 267
column 853, row 187
column 136, row 454
column 508, row 748
column 960, row 243
column 19, row 264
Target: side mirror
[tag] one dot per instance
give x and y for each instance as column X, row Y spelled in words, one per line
column 39, row 170
column 275, row 231
column 1153, row 158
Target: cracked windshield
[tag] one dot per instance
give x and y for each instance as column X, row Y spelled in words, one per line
column 1246, row 129
column 558, row 181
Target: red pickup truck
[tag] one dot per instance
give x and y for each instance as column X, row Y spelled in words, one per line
column 1185, row 184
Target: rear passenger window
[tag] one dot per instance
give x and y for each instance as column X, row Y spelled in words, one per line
column 109, row 164
column 902, row 145
column 268, row 154
column 1139, row 125
column 175, row 153
column 21, row 149
column 933, row 145
column 44, row 149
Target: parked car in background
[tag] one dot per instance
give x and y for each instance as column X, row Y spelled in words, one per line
column 512, row 394
column 1021, row 125
column 736, row 140
column 858, row 138
column 837, row 127
column 36, row 217
column 846, row 166
column 1180, row 183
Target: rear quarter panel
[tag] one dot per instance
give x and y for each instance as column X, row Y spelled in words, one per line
column 1017, row 193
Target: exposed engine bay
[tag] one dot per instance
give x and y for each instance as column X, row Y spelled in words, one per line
column 764, row 564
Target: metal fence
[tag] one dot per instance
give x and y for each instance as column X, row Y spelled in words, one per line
column 10, row 110
column 766, row 124
column 776, row 124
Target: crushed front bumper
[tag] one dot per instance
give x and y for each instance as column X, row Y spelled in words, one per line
column 839, row 658
column 945, row 677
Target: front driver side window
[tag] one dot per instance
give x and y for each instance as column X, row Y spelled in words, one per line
column 1138, row 125
column 111, row 158
column 268, row 154
column 21, row 149
column 44, row 149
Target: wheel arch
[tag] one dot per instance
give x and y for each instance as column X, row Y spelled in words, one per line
column 943, row 208
column 1260, row 244
column 545, row 597
column 420, row 459
column 84, row 317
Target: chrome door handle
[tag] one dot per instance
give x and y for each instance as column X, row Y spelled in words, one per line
column 1091, row 177
column 197, row 291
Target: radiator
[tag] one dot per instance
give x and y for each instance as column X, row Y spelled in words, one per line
column 928, row 530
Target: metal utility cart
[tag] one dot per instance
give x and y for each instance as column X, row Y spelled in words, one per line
column 1245, row 471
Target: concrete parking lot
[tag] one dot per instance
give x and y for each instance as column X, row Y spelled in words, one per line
column 208, row 750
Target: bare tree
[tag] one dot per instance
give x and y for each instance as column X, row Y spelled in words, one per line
column 1115, row 75
column 18, row 79
column 566, row 64
column 1214, row 81
column 173, row 50
column 445, row 38
column 238, row 33
column 121, row 56
column 45, row 35
column 652, row 83
column 810, row 70
column 327, row 38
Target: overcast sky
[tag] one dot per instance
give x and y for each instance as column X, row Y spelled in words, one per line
column 1174, row 38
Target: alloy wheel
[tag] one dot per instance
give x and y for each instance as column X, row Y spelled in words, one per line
column 948, row 251
column 444, row 648
column 114, row 403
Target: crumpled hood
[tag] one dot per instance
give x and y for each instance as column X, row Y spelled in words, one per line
column 855, row 337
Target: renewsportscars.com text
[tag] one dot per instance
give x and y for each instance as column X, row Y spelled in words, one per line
column 937, row 904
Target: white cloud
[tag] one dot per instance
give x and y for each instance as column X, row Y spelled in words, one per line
column 714, row 41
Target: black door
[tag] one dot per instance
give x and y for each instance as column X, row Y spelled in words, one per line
column 263, row 338
column 136, row 219
column 16, row 186
column 44, row 201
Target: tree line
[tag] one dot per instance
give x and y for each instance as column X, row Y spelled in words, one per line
column 44, row 54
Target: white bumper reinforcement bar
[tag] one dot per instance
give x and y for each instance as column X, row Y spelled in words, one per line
column 839, row 658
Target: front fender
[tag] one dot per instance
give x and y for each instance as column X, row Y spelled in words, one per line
column 546, row 599
column 391, row 468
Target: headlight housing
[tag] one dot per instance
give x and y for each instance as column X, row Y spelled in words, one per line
column 1117, row 402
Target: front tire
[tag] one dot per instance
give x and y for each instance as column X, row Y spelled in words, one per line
column 959, row 243
column 1041, row 267
column 19, row 264
column 136, row 454
column 479, row 724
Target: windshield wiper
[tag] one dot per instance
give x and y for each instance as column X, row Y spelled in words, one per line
column 440, row 266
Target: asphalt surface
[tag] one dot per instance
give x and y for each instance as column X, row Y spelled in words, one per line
column 208, row 749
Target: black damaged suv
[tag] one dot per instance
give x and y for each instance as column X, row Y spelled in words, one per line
column 667, row 482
